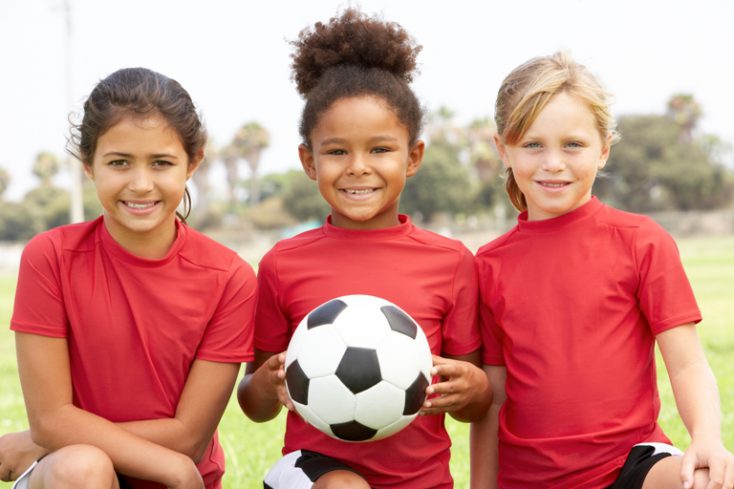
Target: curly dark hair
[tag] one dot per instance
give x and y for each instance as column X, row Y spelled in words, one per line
column 356, row 55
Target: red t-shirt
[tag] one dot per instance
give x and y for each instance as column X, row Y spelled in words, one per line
column 134, row 326
column 571, row 306
column 429, row 276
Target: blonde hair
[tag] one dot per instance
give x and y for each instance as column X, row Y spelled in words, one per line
column 527, row 90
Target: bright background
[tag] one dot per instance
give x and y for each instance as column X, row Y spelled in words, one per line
column 233, row 56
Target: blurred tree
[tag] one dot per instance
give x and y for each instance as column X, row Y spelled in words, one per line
column 4, row 181
column 45, row 167
column 442, row 184
column 17, row 222
column 653, row 168
column 201, row 208
column 685, row 111
column 230, row 158
column 485, row 161
column 249, row 143
column 301, row 198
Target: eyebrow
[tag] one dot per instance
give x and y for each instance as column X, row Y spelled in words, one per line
column 129, row 155
column 343, row 140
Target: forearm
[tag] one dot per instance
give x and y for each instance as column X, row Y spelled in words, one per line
column 130, row 454
column 484, row 461
column 697, row 398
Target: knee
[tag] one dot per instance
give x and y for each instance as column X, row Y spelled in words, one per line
column 341, row 479
column 81, row 467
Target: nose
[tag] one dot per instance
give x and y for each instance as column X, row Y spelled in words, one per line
column 358, row 165
column 553, row 162
column 141, row 180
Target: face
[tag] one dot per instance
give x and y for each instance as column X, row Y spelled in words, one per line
column 556, row 161
column 360, row 157
column 140, row 170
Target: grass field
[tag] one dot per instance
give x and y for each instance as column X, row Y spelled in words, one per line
column 251, row 448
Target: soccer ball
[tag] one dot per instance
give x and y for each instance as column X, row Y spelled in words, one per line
column 357, row 368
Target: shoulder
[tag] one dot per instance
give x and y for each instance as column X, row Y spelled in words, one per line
column 202, row 251
column 78, row 237
column 641, row 228
column 438, row 241
column 497, row 243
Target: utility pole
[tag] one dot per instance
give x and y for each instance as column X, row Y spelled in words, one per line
column 76, row 210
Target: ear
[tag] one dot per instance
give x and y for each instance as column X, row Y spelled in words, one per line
column 415, row 158
column 88, row 170
column 307, row 161
column 195, row 163
column 605, row 151
column 500, row 146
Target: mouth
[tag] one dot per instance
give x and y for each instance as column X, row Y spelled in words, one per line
column 358, row 191
column 139, row 207
column 552, row 184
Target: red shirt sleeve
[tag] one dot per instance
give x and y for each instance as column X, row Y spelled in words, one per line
column 460, row 327
column 39, row 303
column 491, row 333
column 272, row 325
column 229, row 334
column 665, row 294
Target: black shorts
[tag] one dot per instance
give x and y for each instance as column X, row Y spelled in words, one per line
column 639, row 462
column 300, row 469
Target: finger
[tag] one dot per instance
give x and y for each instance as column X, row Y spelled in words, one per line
column 716, row 475
column 687, row 467
column 729, row 474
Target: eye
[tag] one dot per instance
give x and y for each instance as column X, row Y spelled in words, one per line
column 574, row 144
column 161, row 164
column 531, row 145
column 381, row 149
column 336, row 152
column 117, row 163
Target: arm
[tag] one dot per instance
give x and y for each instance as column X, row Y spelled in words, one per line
column 483, row 435
column 200, row 408
column 43, row 365
column 697, row 398
column 463, row 391
column 262, row 392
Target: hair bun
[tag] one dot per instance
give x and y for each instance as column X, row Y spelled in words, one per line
column 352, row 39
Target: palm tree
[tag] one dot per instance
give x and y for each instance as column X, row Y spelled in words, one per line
column 229, row 156
column 45, row 167
column 4, row 181
column 250, row 141
column 686, row 112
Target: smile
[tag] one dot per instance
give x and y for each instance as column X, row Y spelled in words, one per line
column 358, row 191
column 553, row 184
column 139, row 205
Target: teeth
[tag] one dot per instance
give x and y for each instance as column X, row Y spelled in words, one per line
column 135, row 205
column 554, row 185
column 359, row 192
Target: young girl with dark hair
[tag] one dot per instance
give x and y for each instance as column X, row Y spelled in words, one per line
column 130, row 329
column 360, row 128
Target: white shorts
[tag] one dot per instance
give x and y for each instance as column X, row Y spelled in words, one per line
column 300, row 469
column 23, row 481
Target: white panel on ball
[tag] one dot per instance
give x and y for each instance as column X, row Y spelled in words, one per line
column 380, row 405
column 320, row 351
column 331, row 400
column 402, row 357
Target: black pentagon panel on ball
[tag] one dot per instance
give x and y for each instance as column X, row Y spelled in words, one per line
column 326, row 313
column 415, row 395
column 353, row 431
column 297, row 382
column 399, row 321
column 359, row 369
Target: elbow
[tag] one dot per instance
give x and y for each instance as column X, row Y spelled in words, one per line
column 42, row 432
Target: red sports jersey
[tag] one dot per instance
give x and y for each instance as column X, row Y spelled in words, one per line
column 571, row 306
column 134, row 326
column 429, row 276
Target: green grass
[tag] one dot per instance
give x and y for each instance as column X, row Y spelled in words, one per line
column 251, row 448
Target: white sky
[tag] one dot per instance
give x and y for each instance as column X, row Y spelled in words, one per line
column 233, row 57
